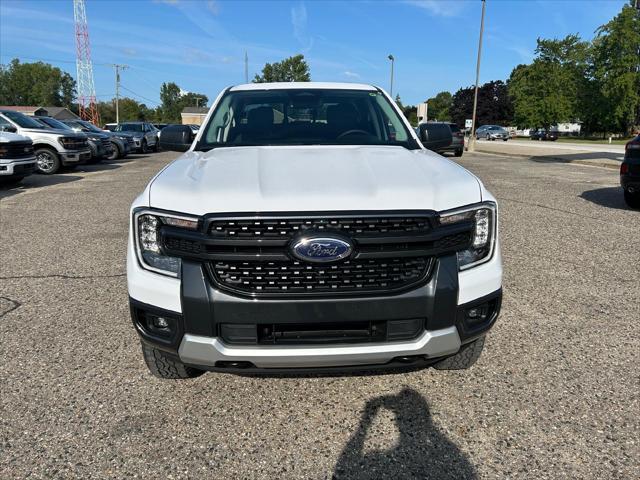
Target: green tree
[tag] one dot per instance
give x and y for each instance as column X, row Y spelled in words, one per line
column 616, row 70
column 132, row 110
column 170, row 98
column 174, row 101
column 439, row 106
column 292, row 69
column 551, row 90
column 38, row 83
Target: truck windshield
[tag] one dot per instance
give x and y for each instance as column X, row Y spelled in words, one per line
column 129, row 127
column 23, row 121
column 89, row 126
column 53, row 123
column 305, row 117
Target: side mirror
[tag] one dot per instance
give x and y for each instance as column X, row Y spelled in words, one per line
column 8, row 128
column 177, row 138
column 435, row 136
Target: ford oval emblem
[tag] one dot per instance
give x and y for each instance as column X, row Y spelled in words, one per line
column 321, row 249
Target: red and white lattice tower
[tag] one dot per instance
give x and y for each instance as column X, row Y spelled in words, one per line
column 86, row 88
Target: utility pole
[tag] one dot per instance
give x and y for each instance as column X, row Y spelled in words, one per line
column 472, row 138
column 246, row 67
column 390, row 57
column 197, row 99
column 117, row 69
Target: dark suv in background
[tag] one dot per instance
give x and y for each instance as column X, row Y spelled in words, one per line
column 121, row 143
column 429, row 131
column 630, row 173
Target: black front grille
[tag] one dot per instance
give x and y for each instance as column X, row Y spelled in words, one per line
column 285, row 228
column 16, row 150
column 252, row 256
column 294, row 277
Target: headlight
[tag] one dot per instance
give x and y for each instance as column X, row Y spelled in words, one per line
column 147, row 225
column 94, row 139
column 484, row 232
column 72, row 143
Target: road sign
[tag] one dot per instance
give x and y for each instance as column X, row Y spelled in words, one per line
column 467, row 123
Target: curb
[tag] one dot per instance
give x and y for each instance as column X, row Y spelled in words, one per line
column 555, row 159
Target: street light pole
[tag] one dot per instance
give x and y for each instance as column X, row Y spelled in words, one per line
column 390, row 57
column 472, row 137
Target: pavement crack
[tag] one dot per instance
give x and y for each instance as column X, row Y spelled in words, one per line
column 12, row 305
column 59, row 275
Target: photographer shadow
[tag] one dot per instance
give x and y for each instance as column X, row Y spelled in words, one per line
column 421, row 452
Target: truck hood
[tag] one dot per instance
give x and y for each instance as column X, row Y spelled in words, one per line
column 312, row 178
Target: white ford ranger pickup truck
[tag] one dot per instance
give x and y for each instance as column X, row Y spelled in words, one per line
column 306, row 229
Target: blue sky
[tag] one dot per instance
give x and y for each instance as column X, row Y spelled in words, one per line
column 201, row 44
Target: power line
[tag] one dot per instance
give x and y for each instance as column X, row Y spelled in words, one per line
column 138, row 95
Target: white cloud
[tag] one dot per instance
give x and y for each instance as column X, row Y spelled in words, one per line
column 213, row 6
column 350, row 74
column 300, row 30
column 439, row 8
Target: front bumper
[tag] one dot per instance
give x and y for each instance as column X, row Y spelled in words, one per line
column 22, row 167
column 203, row 309
column 75, row 157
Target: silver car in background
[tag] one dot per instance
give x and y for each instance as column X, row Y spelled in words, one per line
column 492, row 132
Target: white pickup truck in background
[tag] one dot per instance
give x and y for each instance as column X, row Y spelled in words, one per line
column 17, row 159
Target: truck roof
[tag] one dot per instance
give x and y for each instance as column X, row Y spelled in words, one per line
column 303, row 85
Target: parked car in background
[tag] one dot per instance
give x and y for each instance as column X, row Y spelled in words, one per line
column 17, row 159
column 110, row 126
column 121, row 143
column 630, row 173
column 53, row 148
column 160, row 126
column 98, row 142
column 441, row 137
column 543, row 134
column 492, row 132
column 145, row 135
column 194, row 128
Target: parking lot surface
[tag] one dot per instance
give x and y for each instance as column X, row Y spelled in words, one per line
column 556, row 393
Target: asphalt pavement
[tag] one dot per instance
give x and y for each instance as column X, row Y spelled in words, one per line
column 556, row 393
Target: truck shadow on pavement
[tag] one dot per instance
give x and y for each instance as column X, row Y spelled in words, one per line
column 609, row 197
column 8, row 189
column 422, row 451
column 590, row 157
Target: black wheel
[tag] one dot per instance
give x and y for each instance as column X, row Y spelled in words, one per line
column 115, row 152
column 632, row 199
column 47, row 161
column 162, row 365
column 156, row 147
column 143, row 146
column 465, row 358
column 458, row 153
column 488, row 137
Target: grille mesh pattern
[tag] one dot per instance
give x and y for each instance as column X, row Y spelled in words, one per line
column 297, row 277
column 17, row 150
column 286, row 228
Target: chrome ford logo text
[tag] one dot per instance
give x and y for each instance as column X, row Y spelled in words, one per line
column 321, row 249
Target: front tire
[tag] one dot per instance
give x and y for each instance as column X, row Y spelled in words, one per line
column 47, row 161
column 115, row 152
column 465, row 358
column 632, row 199
column 143, row 147
column 164, row 366
column 458, row 153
